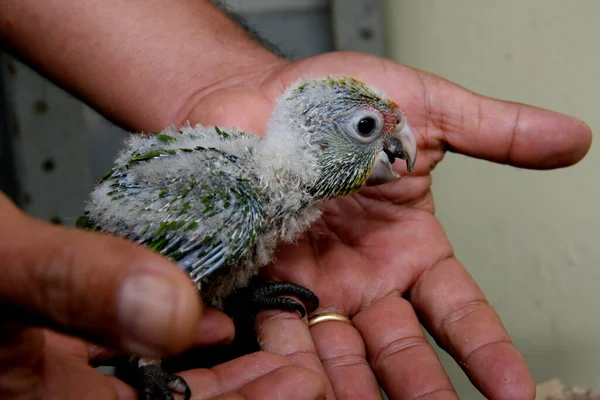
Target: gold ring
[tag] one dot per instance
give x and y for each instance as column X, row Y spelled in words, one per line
column 317, row 319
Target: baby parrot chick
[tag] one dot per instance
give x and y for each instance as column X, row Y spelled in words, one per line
column 219, row 201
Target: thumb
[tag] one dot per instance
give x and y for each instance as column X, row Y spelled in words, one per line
column 94, row 286
column 505, row 132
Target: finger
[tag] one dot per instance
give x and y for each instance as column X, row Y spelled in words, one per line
column 215, row 328
column 457, row 314
column 67, row 345
column 98, row 355
column 122, row 390
column 236, row 374
column 101, row 288
column 290, row 382
column 401, row 356
column 64, row 370
column 342, row 352
column 505, row 132
column 285, row 334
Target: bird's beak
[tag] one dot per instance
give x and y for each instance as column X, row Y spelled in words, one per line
column 400, row 144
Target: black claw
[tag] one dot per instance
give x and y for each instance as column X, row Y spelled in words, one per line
column 156, row 383
column 269, row 295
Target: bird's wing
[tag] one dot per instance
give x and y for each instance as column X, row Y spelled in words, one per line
column 202, row 221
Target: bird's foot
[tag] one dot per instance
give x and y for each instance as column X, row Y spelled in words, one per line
column 272, row 295
column 156, row 383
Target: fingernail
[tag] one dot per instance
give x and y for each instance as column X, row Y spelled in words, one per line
column 146, row 309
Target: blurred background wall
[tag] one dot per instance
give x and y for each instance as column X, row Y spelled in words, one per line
column 531, row 239
column 528, row 238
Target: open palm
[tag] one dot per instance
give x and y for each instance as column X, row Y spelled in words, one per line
column 381, row 257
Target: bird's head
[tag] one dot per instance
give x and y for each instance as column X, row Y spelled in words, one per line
column 353, row 130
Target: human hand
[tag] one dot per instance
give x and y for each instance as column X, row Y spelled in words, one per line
column 82, row 285
column 381, row 257
column 62, row 370
column 86, row 285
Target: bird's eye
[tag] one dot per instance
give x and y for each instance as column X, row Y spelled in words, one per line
column 366, row 126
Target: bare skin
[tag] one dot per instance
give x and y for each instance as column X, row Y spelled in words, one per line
column 380, row 257
column 73, row 283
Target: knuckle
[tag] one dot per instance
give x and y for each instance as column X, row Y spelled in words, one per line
column 341, row 361
column 463, row 311
column 484, row 346
column 55, row 280
column 442, row 392
column 453, row 328
column 398, row 346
